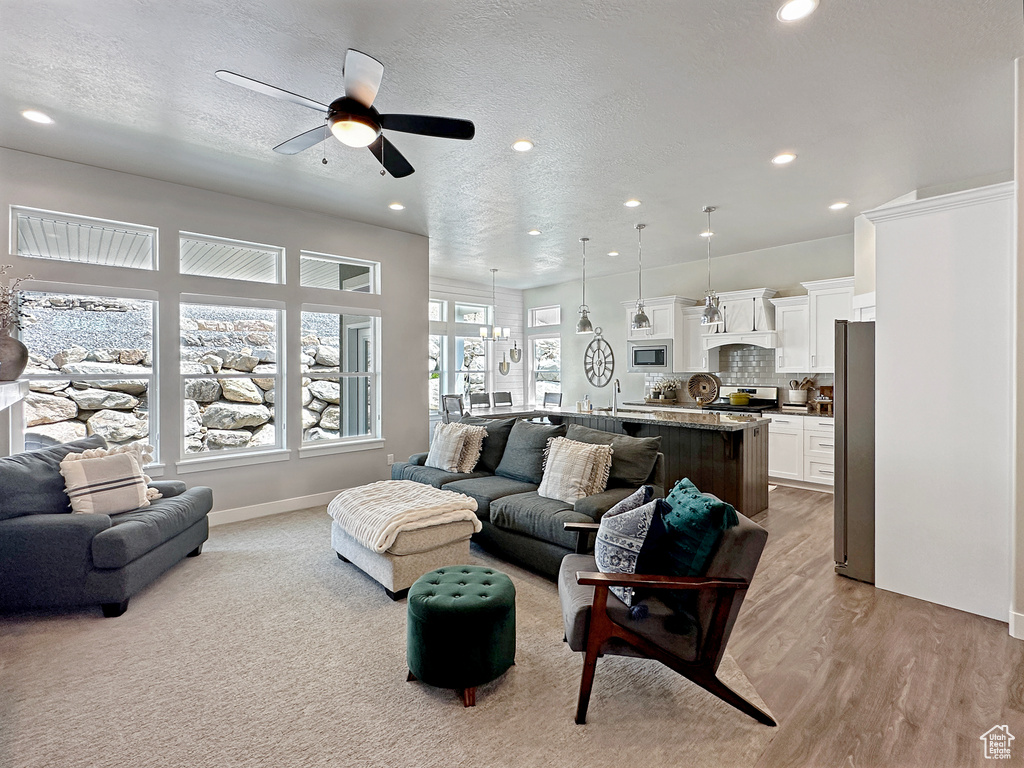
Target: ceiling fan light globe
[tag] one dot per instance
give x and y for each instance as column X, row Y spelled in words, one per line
column 353, row 131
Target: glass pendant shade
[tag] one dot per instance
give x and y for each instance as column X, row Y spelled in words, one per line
column 712, row 315
column 495, row 332
column 503, row 366
column 515, row 354
column 584, row 325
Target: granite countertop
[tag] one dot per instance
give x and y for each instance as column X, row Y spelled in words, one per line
column 720, row 422
column 692, row 406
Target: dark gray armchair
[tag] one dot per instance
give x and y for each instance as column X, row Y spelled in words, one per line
column 598, row 623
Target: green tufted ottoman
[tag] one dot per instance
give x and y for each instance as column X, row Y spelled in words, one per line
column 462, row 628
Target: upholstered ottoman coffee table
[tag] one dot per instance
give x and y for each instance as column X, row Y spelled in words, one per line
column 461, row 628
column 396, row 530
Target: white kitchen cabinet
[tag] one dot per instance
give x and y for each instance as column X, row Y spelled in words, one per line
column 664, row 314
column 792, row 317
column 828, row 301
column 785, row 447
column 690, row 355
column 801, row 448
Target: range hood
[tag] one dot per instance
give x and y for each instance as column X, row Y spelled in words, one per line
column 749, row 319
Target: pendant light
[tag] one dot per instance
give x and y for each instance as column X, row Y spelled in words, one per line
column 515, row 354
column 640, row 318
column 712, row 315
column 584, row 325
column 494, row 333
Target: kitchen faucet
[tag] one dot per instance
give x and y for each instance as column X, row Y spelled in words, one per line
column 616, row 390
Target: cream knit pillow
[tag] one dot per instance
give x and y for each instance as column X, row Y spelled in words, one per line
column 472, row 447
column 446, row 447
column 573, row 470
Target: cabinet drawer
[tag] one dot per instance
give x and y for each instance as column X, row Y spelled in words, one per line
column 819, row 422
column 818, row 470
column 819, row 443
column 785, row 423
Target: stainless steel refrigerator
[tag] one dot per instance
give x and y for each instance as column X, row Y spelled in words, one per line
column 855, row 450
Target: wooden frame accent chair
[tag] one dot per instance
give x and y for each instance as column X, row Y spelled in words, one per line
column 597, row 622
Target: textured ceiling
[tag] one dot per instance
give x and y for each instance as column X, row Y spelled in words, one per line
column 679, row 103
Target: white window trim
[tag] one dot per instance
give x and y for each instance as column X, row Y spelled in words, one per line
column 221, row 460
column 374, row 266
column 342, row 445
column 530, row 314
column 281, row 272
column 281, row 390
column 532, row 380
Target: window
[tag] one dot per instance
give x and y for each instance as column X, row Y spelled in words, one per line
column 435, row 362
column 336, row 273
column 438, row 311
column 470, row 365
column 207, row 256
column 90, row 368
column 339, row 376
column 64, row 237
column 471, row 313
column 542, row 316
column 231, row 383
column 546, row 365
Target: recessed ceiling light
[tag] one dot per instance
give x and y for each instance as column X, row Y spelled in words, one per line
column 632, row 203
column 783, row 158
column 396, row 207
column 522, row 145
column 533, row 232
column 837, row 206
column 794, row 10
column 36, row 116
column 707, row 233
column 613, row 253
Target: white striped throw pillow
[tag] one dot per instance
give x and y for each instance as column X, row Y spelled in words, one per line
column 105, row 485
column 573, row 470
column 446, row 447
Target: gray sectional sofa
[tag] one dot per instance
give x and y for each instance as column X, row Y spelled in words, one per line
column 519, row 524
column 51, row 558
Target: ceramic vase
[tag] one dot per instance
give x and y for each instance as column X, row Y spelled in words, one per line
column 13, row 357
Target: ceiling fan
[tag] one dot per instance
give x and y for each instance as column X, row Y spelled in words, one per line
column 352, row 118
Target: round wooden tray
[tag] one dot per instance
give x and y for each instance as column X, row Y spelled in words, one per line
column 703, row 386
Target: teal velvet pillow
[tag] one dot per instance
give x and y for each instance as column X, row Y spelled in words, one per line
column 694, row 523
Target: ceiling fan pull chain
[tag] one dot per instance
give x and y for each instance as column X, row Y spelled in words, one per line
column 382, row 148
column 326, row 129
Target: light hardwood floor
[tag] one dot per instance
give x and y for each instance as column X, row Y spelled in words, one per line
column 861, row 677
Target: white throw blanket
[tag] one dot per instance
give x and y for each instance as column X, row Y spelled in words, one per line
column 375, row 514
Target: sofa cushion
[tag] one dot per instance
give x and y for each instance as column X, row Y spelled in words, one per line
column 31, row 482
column 533, row 515
column 432, row 475
column 486, row 489
column 524, row 453
column 632, row 457
column 494, row 444
column 133, row 534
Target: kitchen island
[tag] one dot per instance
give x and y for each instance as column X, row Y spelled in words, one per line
column 723, row 454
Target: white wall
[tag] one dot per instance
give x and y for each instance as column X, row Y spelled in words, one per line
column 944, row 395
column 41, row 182
column 782, row 268
column 1017, row 608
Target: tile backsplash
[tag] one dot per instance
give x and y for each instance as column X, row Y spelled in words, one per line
column 741, row 365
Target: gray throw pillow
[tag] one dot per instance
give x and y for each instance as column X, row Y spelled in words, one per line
column 632, row 457
column 523, row 459
column 624, row 531
column 31, row 482
column 498, row 431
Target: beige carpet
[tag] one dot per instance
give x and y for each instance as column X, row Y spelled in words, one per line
column 269, row 651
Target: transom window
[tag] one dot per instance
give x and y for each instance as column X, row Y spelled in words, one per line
column 208, row 256
column 337, row 273
column 65, row 237
column 542, row 316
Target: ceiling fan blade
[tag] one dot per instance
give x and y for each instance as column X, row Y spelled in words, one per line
column 445, row 127
column 392, row 160
column 362, row 76
column 310, row 138
column 269, row 90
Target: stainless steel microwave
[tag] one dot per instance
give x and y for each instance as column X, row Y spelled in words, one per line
column 651, row 358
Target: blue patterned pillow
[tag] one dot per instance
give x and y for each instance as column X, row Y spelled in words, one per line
column 621, row 537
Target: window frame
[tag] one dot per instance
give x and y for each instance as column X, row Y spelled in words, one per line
column 373, row 266
column 533, row 363
column 532, row 316
column 279, row 265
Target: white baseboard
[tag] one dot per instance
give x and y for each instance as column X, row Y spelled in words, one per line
column 236, row 515
column 821, row 487
column 1017, row 625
